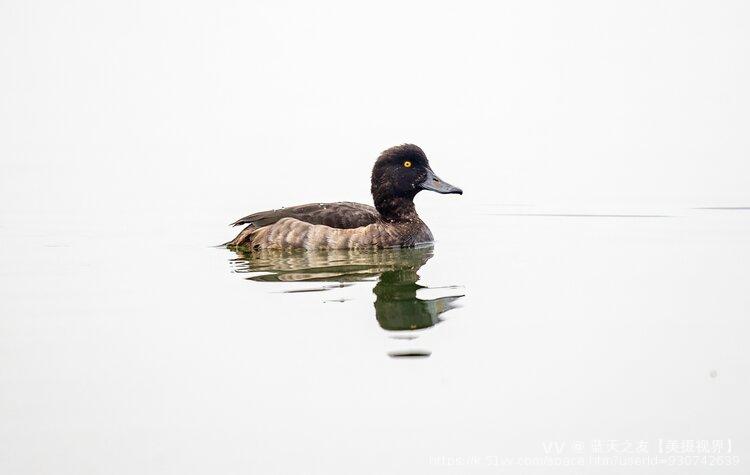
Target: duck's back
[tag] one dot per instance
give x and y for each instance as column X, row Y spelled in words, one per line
column 342, row 215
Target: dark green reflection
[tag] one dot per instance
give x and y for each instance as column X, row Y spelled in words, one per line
column 396, row 304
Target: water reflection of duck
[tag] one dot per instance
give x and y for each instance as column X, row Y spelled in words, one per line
column 396, row 304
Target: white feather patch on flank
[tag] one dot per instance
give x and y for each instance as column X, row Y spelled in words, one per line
column 333, row 239
column 341, row 236
column 313, row 235
column 328, row 240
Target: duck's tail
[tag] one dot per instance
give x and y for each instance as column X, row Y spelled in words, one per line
column 244, row 238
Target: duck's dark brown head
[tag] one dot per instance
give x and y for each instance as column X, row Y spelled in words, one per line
column 398, row 175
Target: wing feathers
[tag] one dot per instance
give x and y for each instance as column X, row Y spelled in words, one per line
column 343, row 215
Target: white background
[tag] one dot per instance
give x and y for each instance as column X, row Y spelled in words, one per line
column 203, row 107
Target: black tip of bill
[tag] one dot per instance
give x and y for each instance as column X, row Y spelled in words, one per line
column 433, row 183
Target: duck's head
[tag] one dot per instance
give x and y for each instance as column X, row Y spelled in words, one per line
column 399, row 174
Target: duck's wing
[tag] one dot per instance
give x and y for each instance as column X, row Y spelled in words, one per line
column 342, row 215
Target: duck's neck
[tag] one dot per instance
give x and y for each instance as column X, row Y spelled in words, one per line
column 396, row 209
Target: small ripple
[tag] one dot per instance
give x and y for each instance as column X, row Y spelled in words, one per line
column 725, row 208
column 405, row 337
column 409, row 354
column 322, row 288
column 584, row 215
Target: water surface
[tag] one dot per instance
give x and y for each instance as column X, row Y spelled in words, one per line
column 145, row 349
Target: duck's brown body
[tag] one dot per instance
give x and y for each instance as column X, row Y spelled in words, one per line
column 329, row 226
column 399, row 174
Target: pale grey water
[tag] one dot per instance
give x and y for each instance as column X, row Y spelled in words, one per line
column 128, row 349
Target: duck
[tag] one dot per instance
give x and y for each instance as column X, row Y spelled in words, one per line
column 399, row 173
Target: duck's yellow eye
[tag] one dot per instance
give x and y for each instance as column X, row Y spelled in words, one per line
column 407, row 164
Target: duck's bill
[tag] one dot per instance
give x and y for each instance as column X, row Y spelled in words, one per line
column 433, row 183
